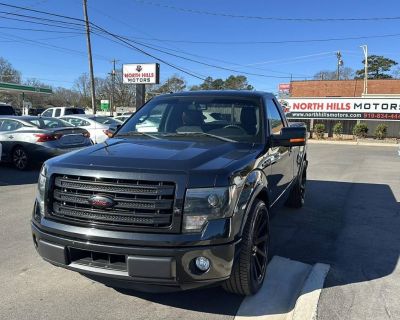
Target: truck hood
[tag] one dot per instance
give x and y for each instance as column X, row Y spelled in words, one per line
column 158, row 155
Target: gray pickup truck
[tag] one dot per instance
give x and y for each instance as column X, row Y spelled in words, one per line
column 179, row 203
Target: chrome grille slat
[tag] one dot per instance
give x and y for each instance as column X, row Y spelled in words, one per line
column 137, row 203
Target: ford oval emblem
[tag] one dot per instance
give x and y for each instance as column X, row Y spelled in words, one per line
column 101, row 202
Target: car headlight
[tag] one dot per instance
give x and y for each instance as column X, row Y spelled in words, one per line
column 42, row 188
column 204, row 204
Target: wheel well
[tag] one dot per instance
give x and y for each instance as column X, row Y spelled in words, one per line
column 263, row 195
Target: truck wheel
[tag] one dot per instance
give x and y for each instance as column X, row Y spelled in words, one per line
column 20, row 158
column 298, row 192
column 248, row 271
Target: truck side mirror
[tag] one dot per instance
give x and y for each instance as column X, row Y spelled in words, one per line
column 290, row 137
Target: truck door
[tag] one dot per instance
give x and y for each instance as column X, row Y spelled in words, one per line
column 280, row 159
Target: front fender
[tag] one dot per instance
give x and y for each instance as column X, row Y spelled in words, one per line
column 251, row 187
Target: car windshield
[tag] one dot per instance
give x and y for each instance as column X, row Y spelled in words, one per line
column 218, row 118
column 105, row 120
column 49, row 123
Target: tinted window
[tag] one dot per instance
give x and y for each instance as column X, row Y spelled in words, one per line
column 234, row 118
column 274, row 117
column 69, row 111
column 58, row 112
column 7, row 110
column 49, row 123
column 10, row 125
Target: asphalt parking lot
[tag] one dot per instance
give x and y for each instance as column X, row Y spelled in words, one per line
column 351, row 221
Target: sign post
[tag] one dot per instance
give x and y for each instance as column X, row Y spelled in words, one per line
column 141, row 74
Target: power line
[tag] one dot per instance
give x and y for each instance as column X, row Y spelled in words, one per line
column 40, row 30
column 134, row 47
column 273, row 42
column 227, row 15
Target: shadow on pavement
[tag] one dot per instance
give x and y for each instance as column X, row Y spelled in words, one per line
column 354, row 227
column 10, row 176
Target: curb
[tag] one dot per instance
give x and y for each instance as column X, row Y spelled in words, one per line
column 291, row 291
column 354, row 143
column 307, row 303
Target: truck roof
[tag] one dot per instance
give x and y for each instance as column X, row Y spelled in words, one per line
column 222, row 93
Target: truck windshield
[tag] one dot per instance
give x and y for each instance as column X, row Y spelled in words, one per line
column 230, row 118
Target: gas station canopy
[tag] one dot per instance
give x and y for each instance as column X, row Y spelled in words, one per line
column 18, row 88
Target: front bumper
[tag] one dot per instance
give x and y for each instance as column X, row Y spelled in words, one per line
column 138, row 267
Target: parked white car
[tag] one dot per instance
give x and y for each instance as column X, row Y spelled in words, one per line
column 62, row 111
column 96, row 125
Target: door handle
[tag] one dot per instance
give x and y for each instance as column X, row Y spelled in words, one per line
column 11, row 137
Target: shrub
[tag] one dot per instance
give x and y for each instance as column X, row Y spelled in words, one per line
column 319, row 130
column 381, row 131
column 360, row 130
column 338, row 130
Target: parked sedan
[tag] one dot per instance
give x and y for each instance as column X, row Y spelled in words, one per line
column 27, row 139
column 97, row 125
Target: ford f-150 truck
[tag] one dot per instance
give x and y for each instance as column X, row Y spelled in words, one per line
column 183, row 204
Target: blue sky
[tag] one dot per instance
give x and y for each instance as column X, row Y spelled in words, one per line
column 139, row 19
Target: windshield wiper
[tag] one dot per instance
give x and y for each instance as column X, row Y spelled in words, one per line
column 201, row 134
column 136, row 133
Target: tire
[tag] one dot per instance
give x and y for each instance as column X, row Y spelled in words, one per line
column 20, row 158
column 248, row 270
column 297, row 194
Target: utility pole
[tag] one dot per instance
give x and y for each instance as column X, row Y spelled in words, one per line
column 113, row 74
column 365, row 49
column 89, row 56
column 339, row 64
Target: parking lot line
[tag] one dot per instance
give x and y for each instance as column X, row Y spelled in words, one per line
column 278, row 299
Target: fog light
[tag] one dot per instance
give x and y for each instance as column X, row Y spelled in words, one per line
column 202, row 263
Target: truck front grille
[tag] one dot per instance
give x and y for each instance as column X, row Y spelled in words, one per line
column 135, row 203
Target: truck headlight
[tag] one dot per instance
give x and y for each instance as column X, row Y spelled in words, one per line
column 204, row 204
column 42, row 188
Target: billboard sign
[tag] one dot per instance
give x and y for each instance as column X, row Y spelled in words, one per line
column 141, row 73
column 284, row 87
column 384, row 109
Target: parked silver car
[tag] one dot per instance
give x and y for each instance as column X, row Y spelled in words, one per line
column 97, row 125
column 28, row 139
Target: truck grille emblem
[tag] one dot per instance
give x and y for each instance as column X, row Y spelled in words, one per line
column 101, row 202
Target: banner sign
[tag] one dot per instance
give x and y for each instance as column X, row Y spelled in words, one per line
column 141, row 73
column 342, row 108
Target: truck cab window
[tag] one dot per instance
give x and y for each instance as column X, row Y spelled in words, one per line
column 274, row 118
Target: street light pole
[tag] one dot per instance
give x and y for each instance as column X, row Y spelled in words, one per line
column 365, row 49
column 89, row 56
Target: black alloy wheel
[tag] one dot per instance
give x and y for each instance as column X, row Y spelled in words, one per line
column 259, row 251
column 20, row 158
